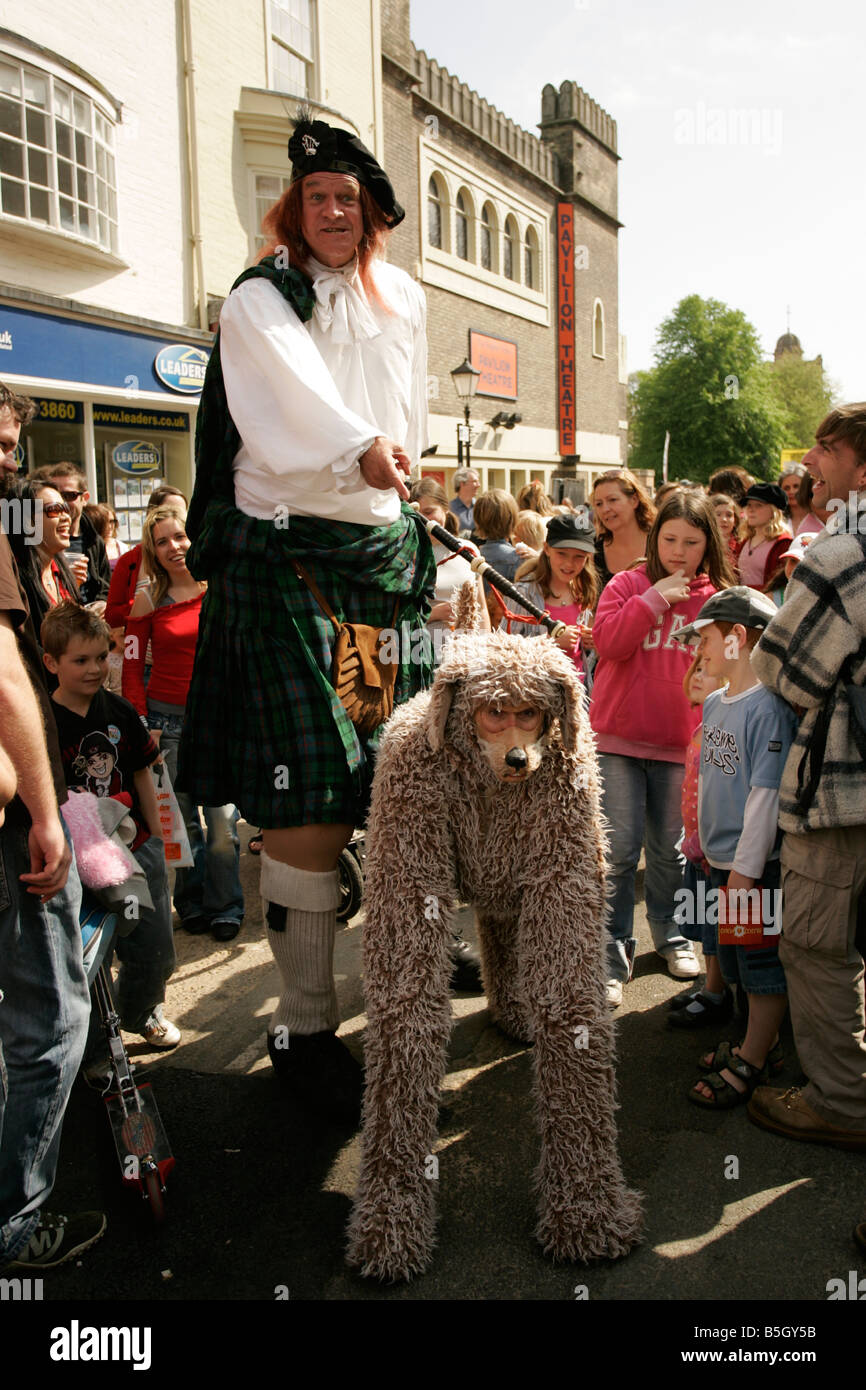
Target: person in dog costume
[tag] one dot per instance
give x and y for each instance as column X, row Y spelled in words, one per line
column 487, row 792
column 313, row 410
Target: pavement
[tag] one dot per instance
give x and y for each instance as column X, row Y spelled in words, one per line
column 259, row 1199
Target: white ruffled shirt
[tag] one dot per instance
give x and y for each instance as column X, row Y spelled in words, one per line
column 309, row 398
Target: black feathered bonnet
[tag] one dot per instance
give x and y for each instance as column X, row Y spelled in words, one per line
column 318, row 148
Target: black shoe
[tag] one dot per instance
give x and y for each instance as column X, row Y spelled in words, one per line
column 711, row 1011
column 223, row 929
column 196, row 926
column 681, row 1001
column 465, row 968
column 322, row 1074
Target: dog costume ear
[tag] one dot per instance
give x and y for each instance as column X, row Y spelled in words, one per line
column 438, row 711
column 571, row 711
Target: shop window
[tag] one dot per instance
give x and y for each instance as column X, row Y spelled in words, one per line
column 292, row 26
column 56, row 155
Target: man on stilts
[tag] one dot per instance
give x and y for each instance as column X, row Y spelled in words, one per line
column 313, row 411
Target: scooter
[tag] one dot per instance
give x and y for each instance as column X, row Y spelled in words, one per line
column 136, row 1125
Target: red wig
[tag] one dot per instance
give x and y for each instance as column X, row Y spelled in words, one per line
column 281, row 225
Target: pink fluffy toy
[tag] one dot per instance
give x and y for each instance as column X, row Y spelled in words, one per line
column 102, row 863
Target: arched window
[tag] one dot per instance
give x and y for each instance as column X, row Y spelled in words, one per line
column 598, row 329
column 461, row 226
column 434, row 213
column 531, row 269
column 488, row 224
column 510, row 250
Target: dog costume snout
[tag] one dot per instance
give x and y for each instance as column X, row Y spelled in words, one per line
column 516, row 759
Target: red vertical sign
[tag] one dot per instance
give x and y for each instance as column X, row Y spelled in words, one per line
column 565, row 319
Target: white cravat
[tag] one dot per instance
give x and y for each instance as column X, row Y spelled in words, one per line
column 341, row 308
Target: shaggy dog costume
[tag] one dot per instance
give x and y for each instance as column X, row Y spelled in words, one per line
column 445, row 826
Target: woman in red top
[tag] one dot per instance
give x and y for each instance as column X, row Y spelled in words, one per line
column 166, row 614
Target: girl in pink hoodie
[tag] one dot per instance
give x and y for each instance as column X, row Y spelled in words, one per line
column 643, row 722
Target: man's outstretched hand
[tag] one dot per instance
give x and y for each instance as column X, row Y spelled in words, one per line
column 384, row 465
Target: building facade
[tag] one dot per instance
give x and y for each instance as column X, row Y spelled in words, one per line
column 134, row 173
column 483, row 199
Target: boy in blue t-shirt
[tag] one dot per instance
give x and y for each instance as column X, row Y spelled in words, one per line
column 747, row 732
column 106, row 750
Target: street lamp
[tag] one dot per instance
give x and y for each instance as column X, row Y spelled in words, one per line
column 465, row 378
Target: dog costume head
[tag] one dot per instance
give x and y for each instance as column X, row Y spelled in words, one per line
column 507, row 697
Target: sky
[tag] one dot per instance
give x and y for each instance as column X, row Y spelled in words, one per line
column 742, row 134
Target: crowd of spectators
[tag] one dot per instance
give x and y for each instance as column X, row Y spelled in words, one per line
column 733, row 762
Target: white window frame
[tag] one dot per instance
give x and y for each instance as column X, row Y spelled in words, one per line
column 256, row 172
column 312, row 63
column 51, row 71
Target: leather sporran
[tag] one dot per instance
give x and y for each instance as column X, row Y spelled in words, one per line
column 364, row 684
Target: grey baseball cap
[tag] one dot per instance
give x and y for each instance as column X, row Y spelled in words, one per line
column 737, row 605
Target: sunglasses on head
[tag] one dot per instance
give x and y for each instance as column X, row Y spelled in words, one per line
column 54, row 509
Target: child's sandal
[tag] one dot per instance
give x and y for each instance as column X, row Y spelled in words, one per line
column 725, row 1096
column 724, row 1056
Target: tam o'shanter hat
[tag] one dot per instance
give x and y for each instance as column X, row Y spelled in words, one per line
column 738, row 604
column 318, row 148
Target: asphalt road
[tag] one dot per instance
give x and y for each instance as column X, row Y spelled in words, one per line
column 260, row 1196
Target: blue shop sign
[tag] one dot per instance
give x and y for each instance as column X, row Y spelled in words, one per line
column 46, row 346
column 136, row 456
column 181, row 368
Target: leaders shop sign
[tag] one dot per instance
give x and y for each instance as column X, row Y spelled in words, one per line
column 565, row 376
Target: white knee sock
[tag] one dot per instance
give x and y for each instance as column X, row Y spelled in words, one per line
column 304, row 952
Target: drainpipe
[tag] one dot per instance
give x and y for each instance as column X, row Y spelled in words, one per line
column 192, row 165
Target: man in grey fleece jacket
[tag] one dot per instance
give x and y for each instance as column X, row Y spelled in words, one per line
column 813, row 654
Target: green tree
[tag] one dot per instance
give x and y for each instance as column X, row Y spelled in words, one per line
column 804, row 393
column 708, row 388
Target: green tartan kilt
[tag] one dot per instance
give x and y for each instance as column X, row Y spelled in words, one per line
column 263, row 728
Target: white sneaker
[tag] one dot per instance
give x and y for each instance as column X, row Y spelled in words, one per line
column 161, row 1033
column 682, row 963
column 614, row 993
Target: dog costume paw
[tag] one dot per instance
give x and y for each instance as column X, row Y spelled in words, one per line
column 602, row 1223
column 393, row 1238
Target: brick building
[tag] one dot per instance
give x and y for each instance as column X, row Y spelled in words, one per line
column 480, row 235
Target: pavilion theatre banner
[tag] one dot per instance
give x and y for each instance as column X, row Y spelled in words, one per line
column 565, row 322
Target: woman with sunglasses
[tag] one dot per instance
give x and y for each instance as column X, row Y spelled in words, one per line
column 39, row 546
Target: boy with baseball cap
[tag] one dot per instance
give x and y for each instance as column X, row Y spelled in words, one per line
column 747, row 732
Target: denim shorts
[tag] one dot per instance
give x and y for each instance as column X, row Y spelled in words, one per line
column 759, row 972
column 698, row 930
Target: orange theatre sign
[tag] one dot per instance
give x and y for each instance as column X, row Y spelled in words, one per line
column 496, row 360
column 565, row 319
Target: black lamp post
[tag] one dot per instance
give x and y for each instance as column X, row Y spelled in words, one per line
column 465, row 378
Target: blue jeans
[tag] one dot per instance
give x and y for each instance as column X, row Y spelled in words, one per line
column 212, row 887
column 641, row 800
column 44, row 1009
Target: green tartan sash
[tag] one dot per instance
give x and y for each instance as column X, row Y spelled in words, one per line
column 261, row 677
